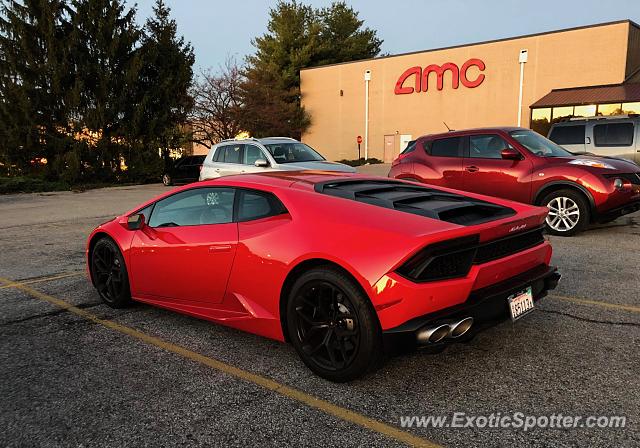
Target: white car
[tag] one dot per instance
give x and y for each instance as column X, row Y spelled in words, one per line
column 265, row 154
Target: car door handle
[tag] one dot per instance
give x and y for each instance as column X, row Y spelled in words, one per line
column 220, row 248
column 472, row 168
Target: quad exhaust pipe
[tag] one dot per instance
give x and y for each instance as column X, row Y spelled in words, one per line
column 437, row 332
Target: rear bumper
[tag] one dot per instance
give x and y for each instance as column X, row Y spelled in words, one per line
column 487, row 306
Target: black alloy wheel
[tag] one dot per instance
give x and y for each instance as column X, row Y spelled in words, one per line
column 333, row 326
column 109, row 274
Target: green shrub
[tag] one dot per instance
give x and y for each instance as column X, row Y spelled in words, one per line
column 361, row 161
column 25, row 184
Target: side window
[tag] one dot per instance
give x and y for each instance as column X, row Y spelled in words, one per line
column 232, row 153
column 146, row 212
column 228, row 154
column 219, row 155
column 568, row 135
column 613, row 134
column 410, row 147
column 198, row 206
column 445, row 147
column 256, row 205
column 251, row 154
column 486, row 146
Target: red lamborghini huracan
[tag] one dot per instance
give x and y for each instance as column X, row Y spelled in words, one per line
column 336, row 264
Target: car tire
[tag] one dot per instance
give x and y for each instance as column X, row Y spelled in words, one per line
column 568, row 212
column 166, row 180
column 109, row 274
column 333, row 326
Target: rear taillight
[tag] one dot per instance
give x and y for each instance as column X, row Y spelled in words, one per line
column 441, row 261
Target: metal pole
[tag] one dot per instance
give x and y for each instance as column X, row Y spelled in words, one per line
column 520, row 94
column 367, row 78
column 522, row 59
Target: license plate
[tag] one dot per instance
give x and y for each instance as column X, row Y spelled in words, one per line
column 520, row 303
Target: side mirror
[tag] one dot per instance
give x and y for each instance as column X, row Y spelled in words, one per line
column 261, row 163
column 510, row 154
column 135, row 222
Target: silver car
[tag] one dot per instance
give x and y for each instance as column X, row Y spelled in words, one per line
column 612, row 136
column 265, row 154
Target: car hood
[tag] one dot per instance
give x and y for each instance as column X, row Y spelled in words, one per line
column 322, row 165
column 619, row 165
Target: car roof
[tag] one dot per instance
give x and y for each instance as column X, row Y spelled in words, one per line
column 264, row 141
column 273, row 140
column 599, row 118
column 286, row 178
column 385, row 193
column 461, row 132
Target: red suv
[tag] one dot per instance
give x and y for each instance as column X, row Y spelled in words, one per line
column 521, row 165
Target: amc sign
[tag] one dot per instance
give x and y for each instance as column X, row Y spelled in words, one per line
column 458, row 75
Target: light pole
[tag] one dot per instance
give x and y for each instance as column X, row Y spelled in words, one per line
column 524, row 53
column 367, row 78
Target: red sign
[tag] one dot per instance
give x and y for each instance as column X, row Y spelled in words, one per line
column 458, row 75
column 359, row 139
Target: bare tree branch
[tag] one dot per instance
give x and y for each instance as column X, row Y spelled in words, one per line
column 217, row 105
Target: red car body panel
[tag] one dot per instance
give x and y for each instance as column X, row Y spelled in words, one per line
column 518, row 180
column 234, row 273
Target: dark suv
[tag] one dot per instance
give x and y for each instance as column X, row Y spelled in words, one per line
column 522, row 165
column 184, row 171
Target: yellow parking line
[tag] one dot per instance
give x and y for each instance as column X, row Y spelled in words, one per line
column 613, row 306
column 289, row 392
column 44, row 279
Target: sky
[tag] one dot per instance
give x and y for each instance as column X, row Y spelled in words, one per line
column 218, row 29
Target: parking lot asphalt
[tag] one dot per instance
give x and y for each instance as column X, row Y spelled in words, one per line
column 142, row 376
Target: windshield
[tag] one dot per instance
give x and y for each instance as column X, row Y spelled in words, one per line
column 539, row 145
column 291, row 152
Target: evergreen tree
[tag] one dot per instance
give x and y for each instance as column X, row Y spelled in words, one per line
column 34, row 79
column 104, row 48
column 163, row 84
column 271, row 93
column 298, row 37
column 343, row 36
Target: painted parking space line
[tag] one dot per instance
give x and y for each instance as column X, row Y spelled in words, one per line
column 613, row 306
column 289, row 392
column 44, row 279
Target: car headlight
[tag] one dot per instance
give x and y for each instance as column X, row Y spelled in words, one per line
column 592, row 163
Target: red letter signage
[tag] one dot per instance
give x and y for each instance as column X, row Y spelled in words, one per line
column 400, row 90
column 458, row 76
column 463, row 73
column 439, row 70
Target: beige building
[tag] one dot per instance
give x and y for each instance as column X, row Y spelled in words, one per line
column 574, row 72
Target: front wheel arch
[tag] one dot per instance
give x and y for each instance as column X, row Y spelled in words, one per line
column 564, row 185
column 92, row 243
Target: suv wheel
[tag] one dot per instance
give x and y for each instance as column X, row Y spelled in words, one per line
column 333, row 326
column 166, row 180
column 568, row 212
